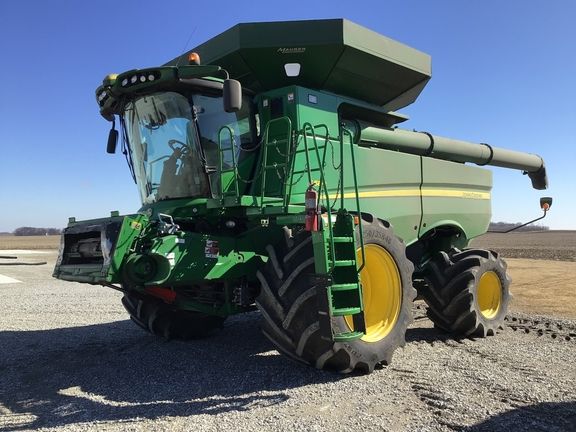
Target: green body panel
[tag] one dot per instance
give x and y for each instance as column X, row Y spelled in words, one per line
column 455, row 194
column 390, row 183
column 193, row 258
column 388, row 186
column 132, row 227
column 320, row 112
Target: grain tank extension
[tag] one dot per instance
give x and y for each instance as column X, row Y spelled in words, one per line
column 273, row 177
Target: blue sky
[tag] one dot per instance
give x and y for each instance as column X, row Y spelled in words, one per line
column 503, row 73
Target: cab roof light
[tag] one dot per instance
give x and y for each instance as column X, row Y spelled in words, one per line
column 110, row 79
column 193, row 59
column 139, row 77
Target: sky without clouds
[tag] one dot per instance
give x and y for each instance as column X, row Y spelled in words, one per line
column 503, row 73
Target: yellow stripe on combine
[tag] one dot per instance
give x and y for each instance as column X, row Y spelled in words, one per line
column 443, row 193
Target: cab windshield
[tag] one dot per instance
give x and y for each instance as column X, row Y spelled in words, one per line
column 172, row 143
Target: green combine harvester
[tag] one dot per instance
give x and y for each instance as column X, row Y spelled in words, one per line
column 289, row 189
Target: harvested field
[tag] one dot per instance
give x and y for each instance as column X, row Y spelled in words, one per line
column 543, row 245
column 543, row 287
column 29, row 242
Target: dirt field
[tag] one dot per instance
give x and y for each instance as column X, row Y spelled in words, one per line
column 544, row 245
column 29, row 242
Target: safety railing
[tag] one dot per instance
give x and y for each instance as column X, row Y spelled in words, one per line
column 282, row 148
column 234, row 166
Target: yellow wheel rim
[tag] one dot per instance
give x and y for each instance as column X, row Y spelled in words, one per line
column 381, row 293
column 489, row 294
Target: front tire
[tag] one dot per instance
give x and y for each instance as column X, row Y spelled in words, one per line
column 289, row 305
column 163, row 320
column 467, row 292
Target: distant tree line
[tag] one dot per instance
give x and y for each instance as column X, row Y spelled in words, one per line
column 31, row 231
column 504, row 226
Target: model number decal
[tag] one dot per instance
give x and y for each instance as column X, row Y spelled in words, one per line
column 211, row 250
column 291, row 50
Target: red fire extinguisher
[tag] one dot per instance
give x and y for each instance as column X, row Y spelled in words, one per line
column 311, row 205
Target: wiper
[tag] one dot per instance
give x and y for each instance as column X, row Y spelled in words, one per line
column 152, row 122
column 126, row 151
column 198, row 139
column 200, row 149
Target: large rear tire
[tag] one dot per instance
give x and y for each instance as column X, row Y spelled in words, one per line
column 289, row 305
column 161, row 319
column 467, row 292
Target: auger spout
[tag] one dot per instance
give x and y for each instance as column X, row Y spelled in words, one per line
column 426, row 144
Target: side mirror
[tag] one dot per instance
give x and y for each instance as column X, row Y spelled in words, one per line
column 232, row 96
column 112, row 141
column 545, row 203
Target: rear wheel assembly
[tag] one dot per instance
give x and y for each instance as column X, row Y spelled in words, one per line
column 289, row 304
column 161, row 319
column 467, row 292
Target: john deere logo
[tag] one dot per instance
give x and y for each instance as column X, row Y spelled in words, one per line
column 291, row 50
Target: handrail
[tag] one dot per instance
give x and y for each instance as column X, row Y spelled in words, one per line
column 302, row 134
column 322, row 186
column 356, row 193
column 263, row 165
column 221, row 160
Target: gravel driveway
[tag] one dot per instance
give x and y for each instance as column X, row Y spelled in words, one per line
column 71, row 361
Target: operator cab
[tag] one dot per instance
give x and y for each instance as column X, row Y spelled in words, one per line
column 181, row 127
column 173, row 140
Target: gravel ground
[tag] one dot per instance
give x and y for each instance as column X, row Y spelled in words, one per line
column 71, row 361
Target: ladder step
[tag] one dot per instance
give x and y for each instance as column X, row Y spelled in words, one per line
column 343, row 337
column 343, row 239
column 346, row 311
column 303, row 150
column 344, row 263
column 344, row 287
column 272, row 200
column 275, row 143
column 305, row 171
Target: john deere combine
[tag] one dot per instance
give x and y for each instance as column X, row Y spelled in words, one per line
column 289, row 189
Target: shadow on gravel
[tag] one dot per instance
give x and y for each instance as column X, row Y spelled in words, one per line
column 546, row 416
column 430, row 335
column 115, row 371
